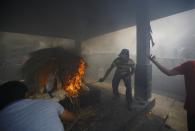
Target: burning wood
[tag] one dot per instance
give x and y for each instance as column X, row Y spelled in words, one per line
column 51, row 69
column 74, row 84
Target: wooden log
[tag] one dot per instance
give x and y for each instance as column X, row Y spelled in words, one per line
column 86, row 98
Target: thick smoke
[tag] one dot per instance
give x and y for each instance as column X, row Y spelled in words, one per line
column 174, row 37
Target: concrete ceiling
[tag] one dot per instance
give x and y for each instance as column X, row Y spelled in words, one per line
column 79, row 19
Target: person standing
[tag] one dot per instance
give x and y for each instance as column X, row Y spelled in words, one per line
column 125, row 68
column 188, row 70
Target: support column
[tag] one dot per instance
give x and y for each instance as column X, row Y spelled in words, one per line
column 143, row 74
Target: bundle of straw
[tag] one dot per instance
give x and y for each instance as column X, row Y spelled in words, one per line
column 57, row 62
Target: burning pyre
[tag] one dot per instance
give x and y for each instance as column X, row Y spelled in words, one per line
column 74, row 82
column 52, row 69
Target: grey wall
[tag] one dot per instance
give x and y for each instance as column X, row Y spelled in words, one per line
column 15, row 49
column 174, row 36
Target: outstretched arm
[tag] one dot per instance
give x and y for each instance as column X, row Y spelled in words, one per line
column 166, row 71
column 107, row 73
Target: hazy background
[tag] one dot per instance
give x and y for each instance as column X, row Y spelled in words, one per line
column 175, row 43
column 15, row 49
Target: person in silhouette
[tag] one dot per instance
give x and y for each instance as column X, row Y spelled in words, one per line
column 125, row 68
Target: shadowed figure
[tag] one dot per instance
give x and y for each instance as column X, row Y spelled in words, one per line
column 20, row 114
column 188, row 70
column 125, row 67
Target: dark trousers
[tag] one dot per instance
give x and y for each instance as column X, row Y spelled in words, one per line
column 127, row 80
column 191, row 121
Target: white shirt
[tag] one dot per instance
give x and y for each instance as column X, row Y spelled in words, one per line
column 31, row 115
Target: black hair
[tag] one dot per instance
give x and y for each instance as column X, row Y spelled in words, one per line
column 10, row 92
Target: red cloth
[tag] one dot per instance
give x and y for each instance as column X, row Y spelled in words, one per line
column 188, row 70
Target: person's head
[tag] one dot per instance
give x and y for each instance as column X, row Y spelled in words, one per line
column 124, row 54
column 10, row 92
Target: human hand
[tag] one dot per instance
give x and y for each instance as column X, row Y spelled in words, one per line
column 101, row 80
column 67, row 116
column 131, row 74
column 152, row 57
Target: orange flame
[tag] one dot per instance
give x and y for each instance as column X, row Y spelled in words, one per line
column 74, row 85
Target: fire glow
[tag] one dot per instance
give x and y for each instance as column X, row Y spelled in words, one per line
column 73, row 85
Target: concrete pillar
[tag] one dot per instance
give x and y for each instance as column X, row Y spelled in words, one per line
column 143, row 74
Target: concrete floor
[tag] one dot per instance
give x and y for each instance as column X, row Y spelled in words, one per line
column 165, row 106
column 112, row 114
column 174, row 109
